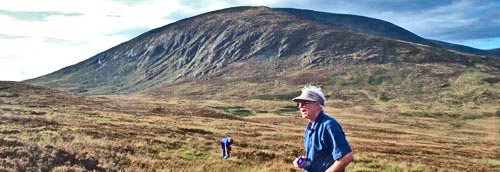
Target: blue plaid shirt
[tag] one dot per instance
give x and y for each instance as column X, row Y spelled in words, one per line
column 324, row 143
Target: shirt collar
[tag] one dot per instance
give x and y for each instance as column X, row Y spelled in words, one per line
column 318, row 119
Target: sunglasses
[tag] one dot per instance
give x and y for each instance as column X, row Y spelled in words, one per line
column 304, row 103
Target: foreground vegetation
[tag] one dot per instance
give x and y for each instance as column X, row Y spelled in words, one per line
column 48, row 130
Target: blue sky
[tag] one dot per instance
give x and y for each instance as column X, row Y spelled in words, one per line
column 41, row 36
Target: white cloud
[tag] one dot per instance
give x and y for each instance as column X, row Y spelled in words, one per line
column 32, row 48
column 444, row 17
column 31, row 57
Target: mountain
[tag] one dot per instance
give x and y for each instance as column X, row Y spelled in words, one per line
column 466, row 49
column 495, row 51
column 380, row 28
column 361, row 24
column 242, row 51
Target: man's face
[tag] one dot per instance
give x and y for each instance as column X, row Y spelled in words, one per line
column 308, row 109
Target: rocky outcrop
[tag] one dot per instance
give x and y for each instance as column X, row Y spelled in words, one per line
column 279, row 39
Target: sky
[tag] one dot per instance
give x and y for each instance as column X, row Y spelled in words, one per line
column 38, row 37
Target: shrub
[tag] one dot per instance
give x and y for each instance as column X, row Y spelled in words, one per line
column 287, row 109
column 491, row 80
column 373, row 80
column 242, row 112
column 384, row 97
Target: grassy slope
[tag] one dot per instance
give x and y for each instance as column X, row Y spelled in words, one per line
column 116, row 133
column 428, row 89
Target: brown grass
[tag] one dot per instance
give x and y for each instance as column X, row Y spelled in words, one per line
column 120, row 133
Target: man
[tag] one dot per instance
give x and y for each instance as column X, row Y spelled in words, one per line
column 325, row 143
column 225, row 144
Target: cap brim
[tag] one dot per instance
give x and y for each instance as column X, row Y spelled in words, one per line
column 303, row 98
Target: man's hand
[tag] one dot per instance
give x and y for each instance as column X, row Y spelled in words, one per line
column 295, row 164
column 340, row 164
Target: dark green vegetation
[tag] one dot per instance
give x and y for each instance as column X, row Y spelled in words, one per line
column 236, row 110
